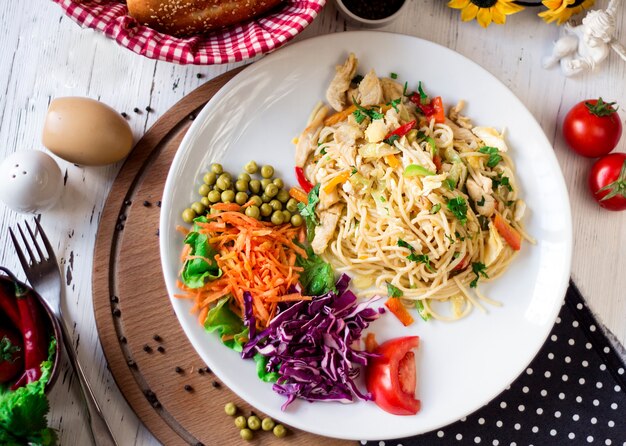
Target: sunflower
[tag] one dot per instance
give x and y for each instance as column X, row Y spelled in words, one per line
column 485, row 11
column 562, row 10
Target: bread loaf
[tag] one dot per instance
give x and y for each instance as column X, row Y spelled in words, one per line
column 187, row 17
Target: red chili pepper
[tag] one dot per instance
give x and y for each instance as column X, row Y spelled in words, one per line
column 9, row 306
column 33, row 328
column 434, row 109
column 402, row 130
column 302, row 181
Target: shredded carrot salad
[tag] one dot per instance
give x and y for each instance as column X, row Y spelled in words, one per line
column 254, row 256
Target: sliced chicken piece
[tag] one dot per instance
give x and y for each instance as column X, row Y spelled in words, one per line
column 370, row 90
column 376, row 131
column 461, row 133
column 336, row 92
column 327, row 199
column 491, row 138
column 307, row 141
column 485, row 203
column 460, row 120
column 326, row 229
column 520, row 210
column 391, row 89
column 348, row 134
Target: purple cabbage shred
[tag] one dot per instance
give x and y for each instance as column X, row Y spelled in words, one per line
column 310, row 344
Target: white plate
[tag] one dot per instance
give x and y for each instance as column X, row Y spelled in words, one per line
column 462, row 365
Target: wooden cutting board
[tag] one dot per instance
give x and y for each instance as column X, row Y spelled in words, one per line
column 141, row 337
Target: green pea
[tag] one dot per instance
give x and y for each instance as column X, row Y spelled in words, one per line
column 265, row 182
column 271, row 190
column 254, row 423
column 246, row 434
column 266, row 210
column 256, row 200
column 210, row 178
column 241, row 198
column 287, row 215
column 267, row 171
column 279, row 183
column 224, row 182
column 241, row 186
column 205, row 202
column 283, row 196
column 276, row 205
column 279, row 431
column 278, row 218
column 188, row 215
column 267, row 424
column 217, row 169
column 204, row 190
column 241, row 422
column 214, row 196
column 251, row 167
column 266, row 198
column 255, row 186
column 228, row 196
column 253, row 212
column 244, row 177
column 230, row 409
column 292, row 205
column 297, row 220
column 198, row 208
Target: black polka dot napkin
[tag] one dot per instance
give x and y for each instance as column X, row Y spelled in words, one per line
column 573, row 393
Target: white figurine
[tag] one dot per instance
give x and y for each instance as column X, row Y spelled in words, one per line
column 585, row 46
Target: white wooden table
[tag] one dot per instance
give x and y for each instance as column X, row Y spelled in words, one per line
column 43, row 55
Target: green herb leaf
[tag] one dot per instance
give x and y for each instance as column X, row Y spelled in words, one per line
column 494, row 155
column 393, row 291
column 403, row 244
column 421, row 310
column 393, row 76
column 450, row 183
column 362, row 111
column 308, row 211
column 435, row 208
column 413, row 170
column 23, row 411
column 354, row 170
column 479, row 269
column 391, row 140
column 502, row 181
column 323, row 151
column 458, row 207
column 406, row 85
column 394, row 104
column 423, row 96
column 481, row 201
column 197, row 271
column 317, row 277
column 420, row 258
column 450, row 238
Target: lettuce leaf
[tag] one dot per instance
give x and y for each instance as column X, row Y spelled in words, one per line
column 318, row 277
column 197, row 271
column 229, row 327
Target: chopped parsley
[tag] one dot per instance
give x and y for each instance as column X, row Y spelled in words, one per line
column 502, row 181
column 394, row 104
column 421, row 258
column 458, row 207
column 459, row 236
column 420, row 135
column 406, row 85
column 361, row 113
column 481, row 201
column 494, row 155
column 391, row 140
column 510, row 202
column 403, row 244
column 323, row 151
column 382, row 199
column 423, row 96
column 435, row 208
column 450, row 238
column 394, row 291
column 479, row 269
column 450, row 183
column 354, row 170
column 393, row 76
column 308, row 211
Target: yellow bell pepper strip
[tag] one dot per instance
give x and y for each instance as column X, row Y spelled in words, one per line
column 392, row 161
column 334, row 182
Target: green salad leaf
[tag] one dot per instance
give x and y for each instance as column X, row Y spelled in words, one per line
column 308, row 211
column 318, row 277
column 197, row 271
column 261, row 369
column 229, row 326
column 23, row 411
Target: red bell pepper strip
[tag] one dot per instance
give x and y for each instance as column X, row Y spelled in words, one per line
column 402, row 130
column 437, row 162
column 302, row 181
column 434, row 109
column 33, row 328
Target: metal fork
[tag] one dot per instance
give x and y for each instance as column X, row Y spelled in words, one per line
column 43, row 274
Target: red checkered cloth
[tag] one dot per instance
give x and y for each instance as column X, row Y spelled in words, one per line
column 239, row 42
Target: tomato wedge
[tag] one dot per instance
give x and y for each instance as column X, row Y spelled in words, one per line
column 391, row 377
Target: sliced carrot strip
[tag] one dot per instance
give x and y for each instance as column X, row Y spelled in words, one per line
column 396, row 306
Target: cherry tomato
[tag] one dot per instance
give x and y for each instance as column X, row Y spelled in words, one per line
column 11, row 355
column 391, row 378
column 607, row 181
column 592, row 128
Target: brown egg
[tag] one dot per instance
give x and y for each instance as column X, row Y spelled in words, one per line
column 85, row 131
